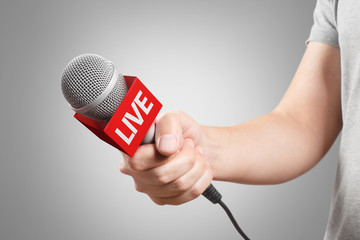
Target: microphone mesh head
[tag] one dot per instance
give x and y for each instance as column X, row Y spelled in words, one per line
column 85, row 78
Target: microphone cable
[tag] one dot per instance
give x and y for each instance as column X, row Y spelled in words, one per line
column 215, row 197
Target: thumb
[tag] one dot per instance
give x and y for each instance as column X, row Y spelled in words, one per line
column 168, row 134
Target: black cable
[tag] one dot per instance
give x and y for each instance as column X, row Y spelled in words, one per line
column 236, row 225
column 215, row 197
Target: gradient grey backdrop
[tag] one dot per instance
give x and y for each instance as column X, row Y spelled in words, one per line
column 223, row 62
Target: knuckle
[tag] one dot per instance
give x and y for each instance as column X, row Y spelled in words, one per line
column 136, row 164
column 124, row 170
column 122, row 167
column 181, row 185
column 195, row 191
column 161, row 177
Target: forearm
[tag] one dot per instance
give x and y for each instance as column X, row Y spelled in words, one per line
column 270, row 149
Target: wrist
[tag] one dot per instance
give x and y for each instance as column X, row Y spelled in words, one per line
column 214, row 147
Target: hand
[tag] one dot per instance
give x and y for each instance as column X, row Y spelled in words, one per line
column 174, row 170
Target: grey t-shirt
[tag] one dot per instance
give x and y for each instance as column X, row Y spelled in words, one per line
column 338, row 23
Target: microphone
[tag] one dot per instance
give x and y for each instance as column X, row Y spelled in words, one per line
column 119, row 109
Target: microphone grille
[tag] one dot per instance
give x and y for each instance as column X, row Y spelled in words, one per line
column 85, row 78
column 108, row 107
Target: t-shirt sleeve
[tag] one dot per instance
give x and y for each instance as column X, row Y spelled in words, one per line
column 324, row 27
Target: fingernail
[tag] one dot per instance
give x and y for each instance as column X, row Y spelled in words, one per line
column 167, row 142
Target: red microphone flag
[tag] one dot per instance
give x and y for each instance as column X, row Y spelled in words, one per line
column 130, row 122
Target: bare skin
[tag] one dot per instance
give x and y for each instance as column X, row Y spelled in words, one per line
column 271, row 149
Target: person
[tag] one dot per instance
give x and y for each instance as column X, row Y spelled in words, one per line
column 322, row 100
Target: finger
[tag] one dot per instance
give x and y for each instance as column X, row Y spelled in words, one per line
column 172, row 128
column 176, row 166
column 179, row 185
column 168, row 134
column 146, row 157
column 189, row 195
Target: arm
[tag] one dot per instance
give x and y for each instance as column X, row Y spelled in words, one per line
column 270, row 149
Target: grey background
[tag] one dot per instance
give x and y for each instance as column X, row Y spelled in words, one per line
column 223, row 62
